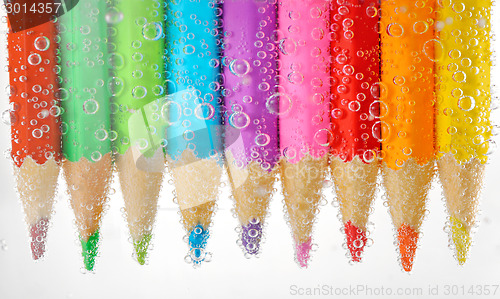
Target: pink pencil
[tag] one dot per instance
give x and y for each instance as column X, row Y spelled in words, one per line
column 304, row 95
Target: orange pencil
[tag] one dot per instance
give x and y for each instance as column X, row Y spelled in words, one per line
column 407, row 128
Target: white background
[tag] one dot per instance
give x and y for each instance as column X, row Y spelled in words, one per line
column 229, row 275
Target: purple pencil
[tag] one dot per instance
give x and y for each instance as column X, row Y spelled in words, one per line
column 252, row 150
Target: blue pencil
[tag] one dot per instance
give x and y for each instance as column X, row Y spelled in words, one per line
column 194, row 114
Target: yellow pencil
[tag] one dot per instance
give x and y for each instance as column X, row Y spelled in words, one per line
column 463, row 128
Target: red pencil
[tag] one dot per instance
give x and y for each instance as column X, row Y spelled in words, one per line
column 35, row 125
column 355, row 114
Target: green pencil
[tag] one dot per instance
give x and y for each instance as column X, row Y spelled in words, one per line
column 139, row 72
column 85, row 100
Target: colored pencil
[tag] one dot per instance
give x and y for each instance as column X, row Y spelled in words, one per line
column 251, row 135
column 34, row 115
column 86, row 125
column 463, row 127
column 407, row 128
column 139, row 39
column 194, row 134
column 355, row 115
column 304, row 93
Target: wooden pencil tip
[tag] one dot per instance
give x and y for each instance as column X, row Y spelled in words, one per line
column 198, row 237
column 408, row 239
column 141, row 248
column 356, row 240
column 89, row 250
column 38, row 234
column 302, row 251
column 251, row 236
column 461, row 239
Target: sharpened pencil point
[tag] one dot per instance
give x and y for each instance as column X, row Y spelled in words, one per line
column 38, row 233
column 461, row 239
column 356, row 240
column 251, row 236
column 89, row 250
column 141, row 248
column 408, row 239
column 302, row 250
column 197, row 241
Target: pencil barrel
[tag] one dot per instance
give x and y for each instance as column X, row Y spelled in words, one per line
column 355, row 56
column 85, row 91
column 250, row 80
column 407, row 81
column 137, row 44
column 34, row 94
column 304, row 78
column 194, row 33
column 463, row 79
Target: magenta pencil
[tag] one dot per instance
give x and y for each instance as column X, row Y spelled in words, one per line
column 304, row 93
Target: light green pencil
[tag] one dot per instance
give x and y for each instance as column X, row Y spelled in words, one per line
column 139, row 94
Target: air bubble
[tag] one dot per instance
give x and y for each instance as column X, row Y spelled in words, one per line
column 323, row 137
column 90, row 106
column 420, row 27
column 466, row 103
column 37, row 133
column 34, row 59
column 395, row 30
column 337, row 113
column 114, row 16
column 371, row 11
column 204, row 111
column 239, row 120
column 101, row 134
column 262, row 139
column 189, row 49
column 152, row 31
column 96, row 156
column 139, row 92
column 42, row 43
